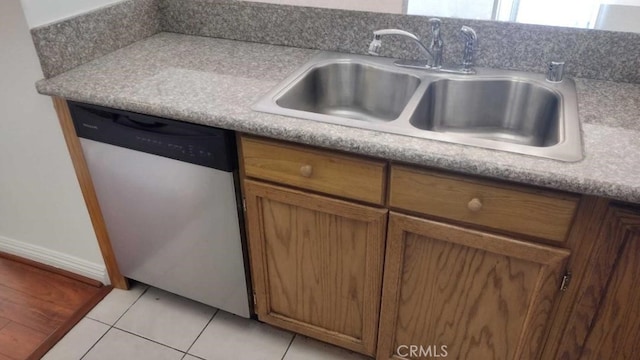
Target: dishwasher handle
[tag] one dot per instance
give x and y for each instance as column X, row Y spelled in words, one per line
column 152, row 124
column 128, row 121
column 140, row 122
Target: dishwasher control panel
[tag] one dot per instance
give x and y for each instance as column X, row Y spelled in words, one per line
column 193, row 143
column 175, row 147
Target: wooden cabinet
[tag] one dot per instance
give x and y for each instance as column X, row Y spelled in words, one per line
column 316, row 264
column 605, row 323
column 482, row 296
column 473, row 265
column 615, row 333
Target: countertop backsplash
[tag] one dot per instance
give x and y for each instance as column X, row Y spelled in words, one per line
column 593, row 54
column 68, row 43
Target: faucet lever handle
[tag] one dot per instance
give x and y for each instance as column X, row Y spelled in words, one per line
column 469, row 35
column 435, row 23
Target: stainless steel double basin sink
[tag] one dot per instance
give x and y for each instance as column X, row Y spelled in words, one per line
column 497, row 109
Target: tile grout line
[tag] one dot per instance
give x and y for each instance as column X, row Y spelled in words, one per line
column 193, row 356
column 130, row 306
column 145, row 338
column 95, row 343
column 96, row 320
column 288, row 347
column 200, row 334
column 112, row 325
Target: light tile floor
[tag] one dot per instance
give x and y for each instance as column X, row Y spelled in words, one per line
column 146, row 323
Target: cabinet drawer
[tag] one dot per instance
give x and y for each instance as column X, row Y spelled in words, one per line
column 527, row 211
column 346, row 176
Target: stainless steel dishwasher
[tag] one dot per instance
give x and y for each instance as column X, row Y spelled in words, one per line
column 168, row 196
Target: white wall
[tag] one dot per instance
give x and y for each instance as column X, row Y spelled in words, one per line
column 42, row 213
column 40, row 12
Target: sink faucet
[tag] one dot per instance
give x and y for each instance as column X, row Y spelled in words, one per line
column 433, row 52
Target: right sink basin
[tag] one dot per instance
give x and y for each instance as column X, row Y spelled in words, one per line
column 512, row 111
column 497, row 109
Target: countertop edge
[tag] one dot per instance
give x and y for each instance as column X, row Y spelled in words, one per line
column 462, row 166
column 100, row 83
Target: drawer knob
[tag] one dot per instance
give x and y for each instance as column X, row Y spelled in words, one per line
column 474, row 205
column 306, row 170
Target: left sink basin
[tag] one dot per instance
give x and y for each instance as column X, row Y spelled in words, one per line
column 350, row 90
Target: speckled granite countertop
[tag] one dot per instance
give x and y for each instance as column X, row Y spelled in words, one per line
column 215, row 82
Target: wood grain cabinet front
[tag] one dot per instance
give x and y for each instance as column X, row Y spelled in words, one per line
column 328, row 172
column 615, row 331
column 316, row 264
column 514, row 209
column 605, row 321
column 478, row 295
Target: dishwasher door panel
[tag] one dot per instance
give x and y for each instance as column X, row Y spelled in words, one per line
column 172, row 225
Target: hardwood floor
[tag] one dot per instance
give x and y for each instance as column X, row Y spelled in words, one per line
column 39, row 304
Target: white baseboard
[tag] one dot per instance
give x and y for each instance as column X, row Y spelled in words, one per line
column 54, row 258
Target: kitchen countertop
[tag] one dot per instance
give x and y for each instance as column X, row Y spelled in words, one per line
column 214, row 82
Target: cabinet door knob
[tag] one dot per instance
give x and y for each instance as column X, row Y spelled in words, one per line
column 306, row 170
column 474, row 205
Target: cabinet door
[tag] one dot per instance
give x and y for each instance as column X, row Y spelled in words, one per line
column 615, row 331
column 316, row 264
column 481, row 296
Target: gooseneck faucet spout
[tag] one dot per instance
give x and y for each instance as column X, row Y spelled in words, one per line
column 374, row 47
